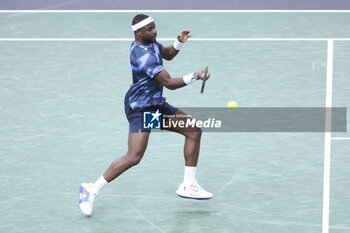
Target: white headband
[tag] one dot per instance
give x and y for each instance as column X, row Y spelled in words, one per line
column 142, row 23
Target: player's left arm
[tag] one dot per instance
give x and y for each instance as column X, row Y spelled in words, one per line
column 168, row 53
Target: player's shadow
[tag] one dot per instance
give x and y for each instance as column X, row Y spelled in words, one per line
column 189, row 220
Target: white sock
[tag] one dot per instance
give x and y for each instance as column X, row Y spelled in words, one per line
column 99, row 184
column 190, row 175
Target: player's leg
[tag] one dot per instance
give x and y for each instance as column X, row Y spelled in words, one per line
column 137, row 144
column 192, row 139
column 190, row 187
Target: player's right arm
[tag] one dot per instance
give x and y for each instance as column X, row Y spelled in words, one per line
column 174, row 83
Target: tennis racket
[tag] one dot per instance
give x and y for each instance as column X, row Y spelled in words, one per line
column 204, row 79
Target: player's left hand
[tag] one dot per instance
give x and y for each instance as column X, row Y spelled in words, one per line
column 200, row 74
column 184, row 35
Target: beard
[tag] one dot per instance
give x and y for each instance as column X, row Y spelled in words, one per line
column 149, row 40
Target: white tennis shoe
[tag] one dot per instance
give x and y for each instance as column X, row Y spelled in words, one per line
column 87, row 198
column 194, row 191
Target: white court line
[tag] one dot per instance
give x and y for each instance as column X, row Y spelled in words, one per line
column 171, row 39
column 174, row 11
column 340, row 138
column 327, row 139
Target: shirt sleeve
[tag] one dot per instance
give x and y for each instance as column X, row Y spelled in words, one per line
column 153, row 66
column 160, row 46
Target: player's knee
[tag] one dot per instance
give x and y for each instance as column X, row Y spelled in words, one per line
column 195, row 134
column 134, row 158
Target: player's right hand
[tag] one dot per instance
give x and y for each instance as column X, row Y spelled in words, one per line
column 200, row 74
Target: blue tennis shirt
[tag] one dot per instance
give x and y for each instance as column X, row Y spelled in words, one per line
column 146, row 62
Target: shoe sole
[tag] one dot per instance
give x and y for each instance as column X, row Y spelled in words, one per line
column 196, row 198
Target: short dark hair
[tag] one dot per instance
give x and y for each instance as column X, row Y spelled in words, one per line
column 138, row 18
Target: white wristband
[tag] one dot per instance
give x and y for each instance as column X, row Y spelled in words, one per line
column 177, row 44
column 190, row 78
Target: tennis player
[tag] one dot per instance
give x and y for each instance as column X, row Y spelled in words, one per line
column 145, row 94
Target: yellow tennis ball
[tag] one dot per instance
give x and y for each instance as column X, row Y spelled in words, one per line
column 232, row 104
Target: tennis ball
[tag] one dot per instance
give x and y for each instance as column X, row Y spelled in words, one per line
column 232, row 104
